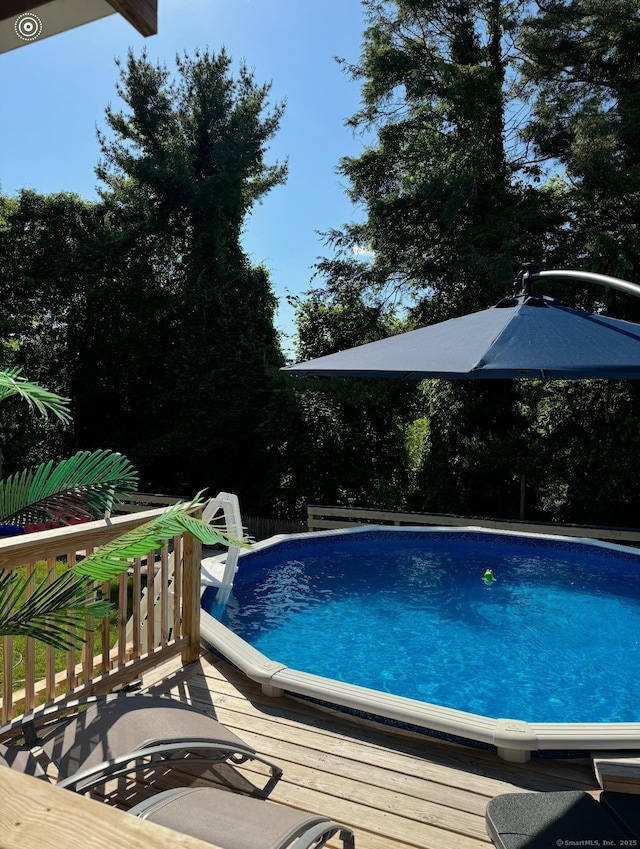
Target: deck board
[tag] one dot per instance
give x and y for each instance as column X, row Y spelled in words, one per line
column 405, row 792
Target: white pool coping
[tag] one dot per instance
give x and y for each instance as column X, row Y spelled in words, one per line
column 513, row 739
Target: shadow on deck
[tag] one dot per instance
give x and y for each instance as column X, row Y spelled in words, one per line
column 393, row 791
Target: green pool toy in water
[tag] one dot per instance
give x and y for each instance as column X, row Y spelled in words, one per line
column 488, row 577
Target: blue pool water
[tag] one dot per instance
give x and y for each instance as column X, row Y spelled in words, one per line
column 555, row 639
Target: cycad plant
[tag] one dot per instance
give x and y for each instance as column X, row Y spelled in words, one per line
column 52, row 613
column 79, row 488
column 37, row 397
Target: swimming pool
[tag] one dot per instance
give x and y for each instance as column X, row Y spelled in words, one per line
column 402, row 629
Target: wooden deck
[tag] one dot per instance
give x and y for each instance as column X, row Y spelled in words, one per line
column 392, row 791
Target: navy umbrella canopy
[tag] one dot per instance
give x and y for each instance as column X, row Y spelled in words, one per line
column 527, row 336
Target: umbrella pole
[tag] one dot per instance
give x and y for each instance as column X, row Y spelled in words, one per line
column 522, row 493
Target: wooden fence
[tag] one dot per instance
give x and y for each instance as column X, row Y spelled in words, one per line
column 167, row 624
column 138, row 502
column 257, row 527
column 261, row 528
column 324, row 518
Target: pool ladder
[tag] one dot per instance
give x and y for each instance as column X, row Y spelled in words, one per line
column 228, row 503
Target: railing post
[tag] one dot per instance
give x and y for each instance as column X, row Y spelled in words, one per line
column 192, row 561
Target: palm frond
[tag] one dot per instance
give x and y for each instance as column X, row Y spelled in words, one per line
column 54, row 613
column 115, row 556
column 81, row 487
column 38, row 398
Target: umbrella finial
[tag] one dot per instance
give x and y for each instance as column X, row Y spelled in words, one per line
column 530, row 271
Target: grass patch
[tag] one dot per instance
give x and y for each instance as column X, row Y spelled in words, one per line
column 60, row 656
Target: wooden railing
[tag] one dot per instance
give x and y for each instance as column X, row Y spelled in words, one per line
column 325, row 518
column 168, row 624
column 35, row 815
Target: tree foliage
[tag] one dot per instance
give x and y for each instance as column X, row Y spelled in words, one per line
column 183, row 355
column 494, row 134
column 582, row 58
column 342, row 441
column 45, row 262
column 449, row 214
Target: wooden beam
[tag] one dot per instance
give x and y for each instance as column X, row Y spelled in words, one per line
column 37, row 815
column 13, row 8
column 142, row 14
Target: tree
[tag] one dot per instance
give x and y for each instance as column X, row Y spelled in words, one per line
column 586, row 437
column 582, row 59
column 450, row 211
column 186, row 348
column 343, row 441
column 494, row 134
column 582, row 66
column 45, row 262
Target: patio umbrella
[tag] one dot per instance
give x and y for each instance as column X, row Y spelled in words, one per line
column 525, row 336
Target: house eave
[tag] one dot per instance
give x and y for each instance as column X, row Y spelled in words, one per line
column 56, row 16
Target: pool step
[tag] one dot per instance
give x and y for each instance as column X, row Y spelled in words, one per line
column 618, row 771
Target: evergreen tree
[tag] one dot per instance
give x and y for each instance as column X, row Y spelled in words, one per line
column 186, row 345
column 45, row 263
column 450, row 208
column 583, row 61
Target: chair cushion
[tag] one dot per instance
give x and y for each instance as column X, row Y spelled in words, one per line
column 549, row 820
column 624, row 808
column 229, row 820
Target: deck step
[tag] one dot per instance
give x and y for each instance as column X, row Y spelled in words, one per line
column 618, row 771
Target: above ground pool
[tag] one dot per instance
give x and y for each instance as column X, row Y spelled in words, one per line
column 503, row 626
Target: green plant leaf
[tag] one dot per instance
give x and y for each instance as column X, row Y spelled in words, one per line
column 38, row 398
column 115, row 557
column 54, row 613
column 81, row 487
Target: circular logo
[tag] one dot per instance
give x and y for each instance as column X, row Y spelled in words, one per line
column 28, row 26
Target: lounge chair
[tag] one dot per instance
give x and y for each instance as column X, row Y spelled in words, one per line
column 115, row 735
column 562, row 818
column 232, row 821
column 229, row 820
column 112, row 735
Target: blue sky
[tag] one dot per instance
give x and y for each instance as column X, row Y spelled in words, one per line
column 54, row 92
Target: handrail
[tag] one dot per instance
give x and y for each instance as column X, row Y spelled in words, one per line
column 152, row 598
